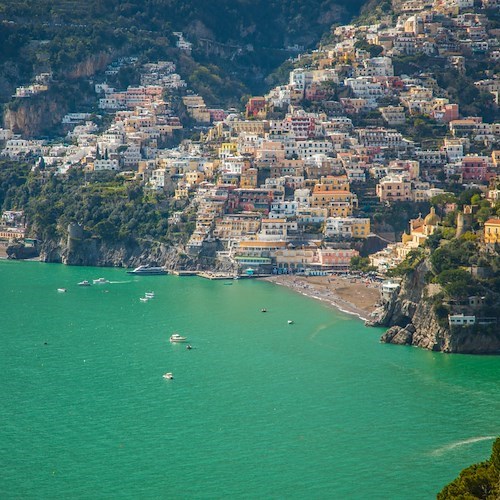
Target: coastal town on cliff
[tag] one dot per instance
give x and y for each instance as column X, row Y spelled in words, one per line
column 367, row 178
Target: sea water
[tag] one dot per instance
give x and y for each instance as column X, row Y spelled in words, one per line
column 259, row 408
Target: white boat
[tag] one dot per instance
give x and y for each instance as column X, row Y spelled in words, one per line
column 149, row 295
column 290, row 322
column 143, row 299
column 175, row 337
column 61, row 290
column 84, row 283
column 100, row 281
column 148, row 270
column 168, row 376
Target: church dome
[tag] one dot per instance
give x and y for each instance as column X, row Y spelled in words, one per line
column 432, row 219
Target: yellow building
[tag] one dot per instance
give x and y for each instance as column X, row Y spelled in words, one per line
column 296, row 257
column 347, row 227
column 492, row 231
column 420, row 230
column 228, row 149
column 333, row 182
column 236, row 226
column 181, row 192
column 333, row 193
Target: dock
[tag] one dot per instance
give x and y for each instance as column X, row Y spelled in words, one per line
column 185, row 273
column 215, row 276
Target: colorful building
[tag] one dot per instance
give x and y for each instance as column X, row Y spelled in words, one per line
column 492, row 231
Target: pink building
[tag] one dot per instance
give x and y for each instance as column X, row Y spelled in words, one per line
column 336, row 258
column 217, row 115
column 446, row 114
column 475, row 168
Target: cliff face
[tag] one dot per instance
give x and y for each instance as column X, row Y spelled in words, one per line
column 89, row 251
column 34, row 116
column 37, row 115
column 413, row 321
column 95, row 252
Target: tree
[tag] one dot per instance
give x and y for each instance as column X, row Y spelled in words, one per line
column 479, row 481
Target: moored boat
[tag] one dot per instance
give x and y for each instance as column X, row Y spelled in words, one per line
column 84, row 283
column 168, row 376
column 147, row 270
column 61, row 290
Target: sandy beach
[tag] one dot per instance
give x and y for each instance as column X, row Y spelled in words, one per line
column 356, row 296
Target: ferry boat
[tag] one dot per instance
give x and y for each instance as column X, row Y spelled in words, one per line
column 147, row 270
column 84, row 283
column 175, row 337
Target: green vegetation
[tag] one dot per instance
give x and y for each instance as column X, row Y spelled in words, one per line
column 236, row 43
column 459, row 87
column 374, row 50
column 413, row 259
column 457, row 253
column 362, row 264
column 479, row 481
column 108, row 206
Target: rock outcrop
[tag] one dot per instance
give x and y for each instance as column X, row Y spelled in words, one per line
column 19, row 251
column 79, row 248
column 413, row 321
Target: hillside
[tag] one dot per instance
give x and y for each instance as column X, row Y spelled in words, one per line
column 243, row 41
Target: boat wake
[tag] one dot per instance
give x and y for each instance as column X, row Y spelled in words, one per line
column 458, row 444
column 119, row 282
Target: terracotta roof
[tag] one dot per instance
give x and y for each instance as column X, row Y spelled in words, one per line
column 493, row 221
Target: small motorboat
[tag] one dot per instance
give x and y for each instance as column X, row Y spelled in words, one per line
column 61, row 290
column 168, row 376
column 290, row 321
column 84, row 283
column 263, row 310
column 189, row 347
column 175, row 337
column 100, row 281
column 149, row 295
column 143, row 299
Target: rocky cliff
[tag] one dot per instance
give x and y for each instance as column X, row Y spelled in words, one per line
column 33, row 116
column 86, row 250
column 37, row 115
column 413, row 321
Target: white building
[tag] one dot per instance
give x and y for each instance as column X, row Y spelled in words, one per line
column 461, row 320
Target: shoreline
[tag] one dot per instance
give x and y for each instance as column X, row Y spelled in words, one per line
column 347, row 294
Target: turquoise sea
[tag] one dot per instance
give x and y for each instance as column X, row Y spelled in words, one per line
column 257, row 409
